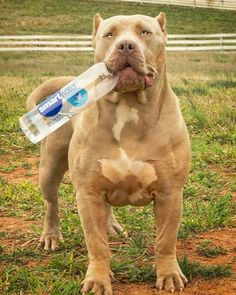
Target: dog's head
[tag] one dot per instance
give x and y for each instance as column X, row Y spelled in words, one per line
column 132, row 47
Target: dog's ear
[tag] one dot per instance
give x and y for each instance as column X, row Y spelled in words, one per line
column 161, row 18
column 97, row 19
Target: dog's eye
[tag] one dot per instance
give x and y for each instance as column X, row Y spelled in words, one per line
column 109, row 35
column 145, row 33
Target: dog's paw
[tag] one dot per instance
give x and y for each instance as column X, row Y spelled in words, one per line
column 97, row 284
column 169, row 274
column 171, row 282
column 49, row 241
column 96, row 288
column 114, row 228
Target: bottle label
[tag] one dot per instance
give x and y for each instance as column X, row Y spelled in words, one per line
column 79, row 99
column 52, row 106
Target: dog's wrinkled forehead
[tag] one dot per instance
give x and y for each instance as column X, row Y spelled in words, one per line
column 132, row 24
column 136, row 26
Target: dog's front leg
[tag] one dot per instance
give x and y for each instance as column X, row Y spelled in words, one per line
column 168, row 211
column 94, row 213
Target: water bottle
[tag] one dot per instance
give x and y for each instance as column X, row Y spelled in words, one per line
column 70, row 100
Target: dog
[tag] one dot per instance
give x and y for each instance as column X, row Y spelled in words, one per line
column 130, row 148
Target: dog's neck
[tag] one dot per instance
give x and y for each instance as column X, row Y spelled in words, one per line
column 154, row 102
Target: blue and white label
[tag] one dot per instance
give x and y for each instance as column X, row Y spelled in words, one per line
column 51, row 106
column 79, row 99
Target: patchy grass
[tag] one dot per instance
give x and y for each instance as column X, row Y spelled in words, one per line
column 207, row 249
column 195, row 269
column 200, row 214
column 207, row 102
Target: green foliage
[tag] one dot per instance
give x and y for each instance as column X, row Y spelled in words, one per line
column 20, row 279
column 207, row 249
column 65, row 286
column 202, row 214
column 196, row 270
column 19, row 257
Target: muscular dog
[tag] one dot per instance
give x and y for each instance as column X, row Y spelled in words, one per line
column 131, row 147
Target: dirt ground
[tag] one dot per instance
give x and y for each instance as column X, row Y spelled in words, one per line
column 197, row 287
column 221, row 286
column 20, row 172
column 226, row 238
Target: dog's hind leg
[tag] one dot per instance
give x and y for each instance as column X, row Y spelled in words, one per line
column 53, row 165
column 113, row 226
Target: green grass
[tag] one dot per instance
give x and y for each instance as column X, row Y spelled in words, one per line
column 18, row 280
column 203, row 214
column 19, row 257
column 206, row 95
column 206, row 248
column 43, row 17
column 196, row 270
column 206, row 86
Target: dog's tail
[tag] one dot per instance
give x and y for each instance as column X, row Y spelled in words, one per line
column 44, row 90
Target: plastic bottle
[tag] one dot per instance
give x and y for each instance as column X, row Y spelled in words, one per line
column 70, row 100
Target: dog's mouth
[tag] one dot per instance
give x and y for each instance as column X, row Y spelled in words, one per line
column 132, row 78
column 128, row 73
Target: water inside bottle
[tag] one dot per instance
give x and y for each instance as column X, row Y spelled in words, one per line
column 60, row 107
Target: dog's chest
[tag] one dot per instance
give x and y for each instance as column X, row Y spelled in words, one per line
column 120, row 169
column 128, row 180
column 124, row 114
column 128, row 176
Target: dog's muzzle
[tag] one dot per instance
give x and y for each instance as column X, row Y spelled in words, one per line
column 127, row 62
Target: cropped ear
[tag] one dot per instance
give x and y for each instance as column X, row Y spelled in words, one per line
column 161, row 18
column 97, row 19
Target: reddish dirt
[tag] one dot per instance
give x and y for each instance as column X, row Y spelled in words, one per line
column 20, row 172
column 19, row 235
column 13, row 224
column 197, row 287
column 19, row 230
column 224, row 238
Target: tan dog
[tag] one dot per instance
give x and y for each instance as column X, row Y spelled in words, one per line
column 131, row 147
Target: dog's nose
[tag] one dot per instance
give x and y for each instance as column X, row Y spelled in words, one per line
column 126, row 46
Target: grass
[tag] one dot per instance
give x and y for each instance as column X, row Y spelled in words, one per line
column 207, row 100
column 207, row 249
column 195, row 269
column 201, row 215
column 43, row 17
column 205, row 84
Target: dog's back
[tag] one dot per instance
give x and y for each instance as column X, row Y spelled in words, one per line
column 44, row 90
